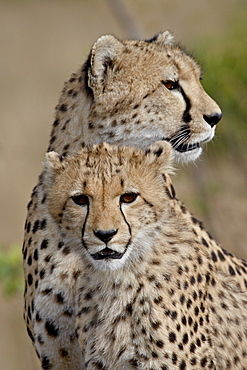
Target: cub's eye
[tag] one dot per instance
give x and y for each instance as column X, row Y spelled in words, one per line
column 81, row 199
column 128, row 197
column 170, row 85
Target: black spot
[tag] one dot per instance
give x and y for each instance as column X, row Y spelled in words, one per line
column 129, row 309
column 207, row 277
column 182, row 365
column 60, row 245
column 66, row 250
column 156, row 324
column 204, row 242
column 214, row 257
column 69, row 312
column 46, row 291
column 63, row 108
column 30, row 279
column 56, row 123
column 28, row 227
column 198, row 342
column 231, row 270
column 192, row 347
column 182, row 299
column 221, row 256
column 36, row 255
column 30, row 334
column 59, row 298
column 199, row 278
column 29, row 260
column 51, row 328
column 174, row 358
column 199, row 259
column 47, row 258
column 38, row 317
column 196, row 309
column 174, row 315
column 189, row 303
column 63, row 352
column 185, row 338
column 44, row 244
column 42, row 274
column 45, row 363
column 172, row 337
column 186, row 285
column 158, row 152
column 184, row 320
column 43, row 224
column 204, row 361
column 36, row 226
column 192, row 280
column 134, row 362
column 190, row 321
column 160, row 343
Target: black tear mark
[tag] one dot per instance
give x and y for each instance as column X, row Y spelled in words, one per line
column 186, row 115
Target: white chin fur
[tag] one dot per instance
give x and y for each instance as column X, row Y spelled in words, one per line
column 189, row 156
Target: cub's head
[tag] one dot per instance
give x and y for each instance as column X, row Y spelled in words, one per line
column 109, row 201
column 140, row 92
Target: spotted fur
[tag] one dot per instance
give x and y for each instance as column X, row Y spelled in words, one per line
column 153, row 290
column 128, row 92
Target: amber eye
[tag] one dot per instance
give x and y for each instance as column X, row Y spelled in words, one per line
column 81, row 199
column 128, row 197
column 170, row 85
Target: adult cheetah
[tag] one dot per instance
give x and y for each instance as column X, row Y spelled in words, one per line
column 154, row 289
column 128, row 92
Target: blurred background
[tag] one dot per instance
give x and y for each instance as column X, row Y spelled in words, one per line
column 41, row 43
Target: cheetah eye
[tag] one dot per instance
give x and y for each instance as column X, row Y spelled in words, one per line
column 81, row 199
column 170, row 85
column 128, row 197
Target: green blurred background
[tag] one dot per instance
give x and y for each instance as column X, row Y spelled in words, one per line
column 41, row 43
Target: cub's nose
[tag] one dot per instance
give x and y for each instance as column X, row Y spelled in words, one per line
column 213, row 119
column 105, row 235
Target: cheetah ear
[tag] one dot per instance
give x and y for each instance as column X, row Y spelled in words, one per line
column 103, row 53
column 161, row 154
column 165, row 38
column 52, row 162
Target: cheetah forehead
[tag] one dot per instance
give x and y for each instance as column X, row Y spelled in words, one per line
column 108, row 160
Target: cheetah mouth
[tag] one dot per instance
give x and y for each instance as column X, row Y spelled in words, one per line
column 184, row 147
column 107, row 253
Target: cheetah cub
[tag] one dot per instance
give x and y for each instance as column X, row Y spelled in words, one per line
column 156, row 291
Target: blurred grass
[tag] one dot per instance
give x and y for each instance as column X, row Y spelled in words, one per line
column 226, row 80
column 11, row 271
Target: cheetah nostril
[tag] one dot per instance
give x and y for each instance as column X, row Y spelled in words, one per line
column 213, row 119
column 105, row 235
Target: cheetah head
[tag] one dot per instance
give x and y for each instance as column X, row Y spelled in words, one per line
column 108, row 201
column 141, row 92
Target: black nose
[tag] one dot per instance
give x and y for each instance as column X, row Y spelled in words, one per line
column 105, row 235
column 213, row 119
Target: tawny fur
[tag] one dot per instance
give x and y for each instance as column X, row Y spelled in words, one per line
column 122, row 95
column 175, row 300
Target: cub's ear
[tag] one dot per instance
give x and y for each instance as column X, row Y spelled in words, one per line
column 103, row 53
column 52, row 162
column 161, row 154
column 165, row 38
